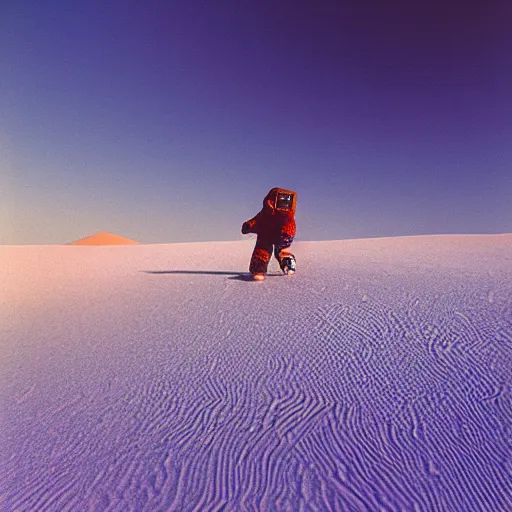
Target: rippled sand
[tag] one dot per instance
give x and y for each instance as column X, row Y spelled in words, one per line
column 158, row 378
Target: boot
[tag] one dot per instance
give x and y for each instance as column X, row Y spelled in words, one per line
column 288, row 264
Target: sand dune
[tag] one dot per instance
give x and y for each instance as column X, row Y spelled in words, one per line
column 157, row 378
column 104, row 239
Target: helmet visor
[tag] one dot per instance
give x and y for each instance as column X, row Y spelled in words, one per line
column 284, row 201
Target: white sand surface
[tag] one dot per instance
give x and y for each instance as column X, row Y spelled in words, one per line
column 155, row 377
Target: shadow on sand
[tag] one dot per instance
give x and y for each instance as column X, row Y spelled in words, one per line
column 239, row 276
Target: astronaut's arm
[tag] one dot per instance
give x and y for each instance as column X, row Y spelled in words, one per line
column 250, row 225
column 288, row 229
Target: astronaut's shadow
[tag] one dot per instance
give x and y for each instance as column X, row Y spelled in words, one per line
column 237, row 276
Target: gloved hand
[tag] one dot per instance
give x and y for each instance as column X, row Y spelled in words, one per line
column 245, row 228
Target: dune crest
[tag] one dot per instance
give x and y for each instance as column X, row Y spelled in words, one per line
column 104, row 238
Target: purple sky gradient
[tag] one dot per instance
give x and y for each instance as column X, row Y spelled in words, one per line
column 169, row 121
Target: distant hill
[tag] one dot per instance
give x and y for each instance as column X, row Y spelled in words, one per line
column 104, row 239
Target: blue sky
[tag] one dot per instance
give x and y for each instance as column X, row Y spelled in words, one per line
column 169, row 121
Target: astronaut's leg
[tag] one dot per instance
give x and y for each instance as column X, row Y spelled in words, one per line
column 260, row 258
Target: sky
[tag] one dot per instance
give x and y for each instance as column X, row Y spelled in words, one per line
column 169, row 121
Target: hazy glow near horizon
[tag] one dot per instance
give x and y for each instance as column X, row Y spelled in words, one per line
column 170, row 123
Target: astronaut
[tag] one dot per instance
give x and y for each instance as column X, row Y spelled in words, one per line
column 275, row 227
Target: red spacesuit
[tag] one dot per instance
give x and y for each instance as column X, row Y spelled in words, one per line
column 275, row 227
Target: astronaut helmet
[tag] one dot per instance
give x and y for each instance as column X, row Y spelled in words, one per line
column 281, row 200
